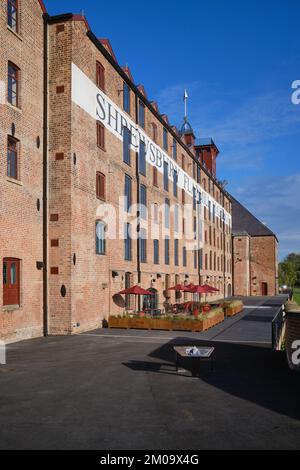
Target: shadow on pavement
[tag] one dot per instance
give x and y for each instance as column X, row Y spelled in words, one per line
column 252, row 373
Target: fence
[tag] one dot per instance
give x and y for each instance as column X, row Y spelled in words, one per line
column 277, row 325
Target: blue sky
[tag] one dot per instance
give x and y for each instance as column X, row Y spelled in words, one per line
column 238, row 60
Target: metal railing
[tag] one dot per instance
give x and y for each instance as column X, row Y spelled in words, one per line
column 277, row 325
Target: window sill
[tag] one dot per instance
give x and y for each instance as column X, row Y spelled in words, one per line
column 14, row 108
column 101, row 148
column 11, row 308
column 15, row 33
column 14, row 181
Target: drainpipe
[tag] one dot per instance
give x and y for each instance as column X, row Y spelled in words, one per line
column 250, row 280
column 224, row 258
column 45, row 180
column 232, row 266
column 199, row 222
column 138, row 201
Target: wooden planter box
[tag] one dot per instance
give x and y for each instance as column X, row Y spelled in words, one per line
column 210, row 322
column 231, row 311
column 162, row 324
column 115, row 322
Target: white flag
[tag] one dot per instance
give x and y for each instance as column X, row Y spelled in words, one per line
column 185, row 95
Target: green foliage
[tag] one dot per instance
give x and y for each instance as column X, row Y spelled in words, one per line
column 289, row 272
column 297, row 296
column 233, row 304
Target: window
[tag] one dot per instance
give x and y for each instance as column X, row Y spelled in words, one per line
column 195, row 228
column 11, row 281
column 154, row 132
column 13, row 15
column 100, row 185
column 176, row 252
column 100, row 76
column 126, row 98
column 183, row 196
column 141, row 114
column 184, row 257
column 166, row 176
column 198, row 174
column 100, row 238
column 128, row 193
column 127, row 243
column 174, row 149
column 128, row 284
column 142, row 158
column 12, row 158
column 201, row 259
column 175, row 183
column 13, row 85
column 194, row 170
column 100, row 135
column 195, row 259
column 209, row 210
column 143, row 246
column 156, row 251
column 165, row 139
column 126, row 145
column 143, row 202
column 183, row 162
column 167, row 250
column 194, row 198
column 176, row 218
column 155, row 177
column 156, row 213
column 167, row 213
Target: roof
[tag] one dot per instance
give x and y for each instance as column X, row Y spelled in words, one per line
column 204, row 142
column 243, row 221
column 42, row 6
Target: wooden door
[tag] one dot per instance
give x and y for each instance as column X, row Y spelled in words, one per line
column 11, row 281
column 264, row 288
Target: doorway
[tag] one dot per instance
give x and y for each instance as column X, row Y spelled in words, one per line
column 264, row 288
column 11, row 281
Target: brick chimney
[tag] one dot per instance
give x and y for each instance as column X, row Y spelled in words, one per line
column 207, row 152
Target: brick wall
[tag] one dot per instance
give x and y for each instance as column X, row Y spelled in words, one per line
column 241, row 265
column 90, row 282
column 20, row 220
column 263, row 265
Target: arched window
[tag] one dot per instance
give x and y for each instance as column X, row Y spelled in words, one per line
column 100, row 238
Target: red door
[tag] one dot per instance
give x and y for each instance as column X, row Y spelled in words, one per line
column 11, row 281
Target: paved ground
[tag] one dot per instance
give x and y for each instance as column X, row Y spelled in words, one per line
column 118, row 390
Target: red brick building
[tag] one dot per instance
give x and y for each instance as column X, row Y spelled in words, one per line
column 83, row 147
column 255, row 254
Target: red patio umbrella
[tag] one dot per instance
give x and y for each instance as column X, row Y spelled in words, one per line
column 136, row 291
column 180, row 287
column 212, row 288
column 198, row 290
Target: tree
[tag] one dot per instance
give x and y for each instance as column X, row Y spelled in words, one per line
column 294, row 258
column 287, row 274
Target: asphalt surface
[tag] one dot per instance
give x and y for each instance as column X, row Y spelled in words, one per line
column 116, row 390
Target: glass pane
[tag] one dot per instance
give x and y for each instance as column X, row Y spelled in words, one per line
column 13, row 273
column 4, row 273
column 100, row 238
column 11, row 163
